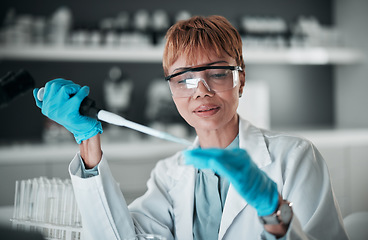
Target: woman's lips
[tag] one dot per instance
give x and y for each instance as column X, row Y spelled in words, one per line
column 206, row 110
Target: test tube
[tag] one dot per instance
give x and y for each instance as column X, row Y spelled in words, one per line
column 41, row 200
column 69, row 206
column 44, row 210
column 55, row 213
column 33, row 202
column 27, row 205
column 22, row 199
column 58, row 221
column 63, row 207
column 50, row 206
column 36, row 201
column 16, row 200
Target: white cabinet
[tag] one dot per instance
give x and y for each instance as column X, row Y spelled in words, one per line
column 336, row 159
column 358, row 166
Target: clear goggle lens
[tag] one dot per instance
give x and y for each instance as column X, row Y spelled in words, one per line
column 215, row 79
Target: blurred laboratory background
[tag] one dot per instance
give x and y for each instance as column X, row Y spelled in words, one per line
column 306, row 73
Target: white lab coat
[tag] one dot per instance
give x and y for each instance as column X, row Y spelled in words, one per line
column 166, row 208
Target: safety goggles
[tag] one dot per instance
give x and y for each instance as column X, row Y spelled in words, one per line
column 214, row 78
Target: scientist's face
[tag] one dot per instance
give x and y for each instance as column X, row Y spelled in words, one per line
column 208, row 110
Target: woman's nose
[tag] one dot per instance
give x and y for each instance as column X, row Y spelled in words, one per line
column 203, row 90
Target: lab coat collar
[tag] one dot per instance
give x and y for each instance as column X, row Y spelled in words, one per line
column 234, row 204
column 251, row 139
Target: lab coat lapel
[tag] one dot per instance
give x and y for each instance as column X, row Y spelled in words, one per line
column 234, row 204
column 183, row 202
column 251, row 139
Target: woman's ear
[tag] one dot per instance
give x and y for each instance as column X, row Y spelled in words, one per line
column 242, row 83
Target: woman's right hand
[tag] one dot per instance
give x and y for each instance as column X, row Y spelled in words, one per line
column 61, row 103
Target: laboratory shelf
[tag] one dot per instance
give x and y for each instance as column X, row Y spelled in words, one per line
column 144, row 54
column 305, row 56
column 88, row 54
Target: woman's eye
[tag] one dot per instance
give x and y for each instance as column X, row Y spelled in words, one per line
column 218, row 75
column 182, row 81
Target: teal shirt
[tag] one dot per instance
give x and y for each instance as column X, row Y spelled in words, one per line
column 224, row 183
column 209, row 201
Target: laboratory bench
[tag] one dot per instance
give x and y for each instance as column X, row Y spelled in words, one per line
column 345, row 152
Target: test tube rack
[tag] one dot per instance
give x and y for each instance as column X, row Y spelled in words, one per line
column 48, row 206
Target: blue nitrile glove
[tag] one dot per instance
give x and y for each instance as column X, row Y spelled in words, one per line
column 61, row 103
column 236, row 165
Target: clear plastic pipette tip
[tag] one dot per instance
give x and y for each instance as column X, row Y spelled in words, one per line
column 120, row 121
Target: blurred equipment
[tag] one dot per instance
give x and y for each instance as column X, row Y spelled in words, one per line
column 118, row 91
column 182, row 15
column 307, row 31
column 263, row 32
column 14, row 84
column 160, row 24
column 117, row 94
column 60, row 26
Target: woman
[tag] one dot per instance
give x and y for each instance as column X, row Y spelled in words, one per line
column 236, row 181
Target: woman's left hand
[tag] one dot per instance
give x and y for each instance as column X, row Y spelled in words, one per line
column 236, row 165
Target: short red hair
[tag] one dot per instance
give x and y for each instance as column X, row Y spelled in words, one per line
column 199, row 35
